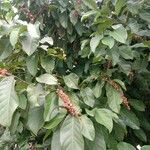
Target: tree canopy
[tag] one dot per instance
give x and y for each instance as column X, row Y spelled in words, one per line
column 74, row 74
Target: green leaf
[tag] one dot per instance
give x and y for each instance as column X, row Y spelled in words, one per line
column 90, row 3
column 125, row 146
column 47, row 79
column 114, row 98
column 32, row 64
column 126, row 52
column 99, row 141
column 50, row 106
column 71, row 80
column 97, row 91
column 47, row 39
column 87, row 127
column 130, row 119
column 55, row 121
column 88, row 14
column 48, row 63
column 63, row 18
column 119, row 5
column 119, row 33
column 22, row 101
column 140, row 134
column 74, row 16
column 70, row 134
column 35, row 119
column 104, row 117
column 145, row 147
column 14, row 35
column 145, row 16
column 29, row 44
column 30, row 40
column 109, row 41
column 33, row 93
column 5, row 48
column 88, row 96
column 137, row 104
column 55, row 143
column 95, row 42
column 15, row 122
column 8, row 100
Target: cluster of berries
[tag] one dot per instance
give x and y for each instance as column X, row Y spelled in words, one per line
column 28, row 13
column 67, row 102
column 117, row 87
column 4, row 72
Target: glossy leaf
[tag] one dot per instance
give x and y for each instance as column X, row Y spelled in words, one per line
column 125, row 146
column 8, row 100
column 88, row 96
column 114, row 98
column 87, row 127
column 71, row 128
column 71, row 80
column 47, row 79
column 119, row 33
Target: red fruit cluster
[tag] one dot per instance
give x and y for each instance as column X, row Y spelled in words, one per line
column 28, row 14
column 117, row 87
column 67, row 102
column 125, row 101
column 4, row 72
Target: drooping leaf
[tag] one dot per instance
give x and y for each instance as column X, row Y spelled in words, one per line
column 74, row 17
column 30, row 39
column 8, row 100
column 98, row 143
column 50, row 106
column 90, row 3
column 70, row 134
column 130, row 119
column 87, row 127
column 119, row 33
column 55, row 143
column 33, row 93
column 114, row 98
column 95, row 42
column 88, row 96
column 47, row 79
column 126, row 52
column 5, row 48
column 118, row 6
column 71, row 80
column 32, row 64
column 35, row 119
column 98, row 89
column 105, row 117
column 141, row 135
column 14, row 35
column 145, row 147
column 109, row 41
column 137, row 104
column 48, row 63
column 29, row 44
column 125, row 146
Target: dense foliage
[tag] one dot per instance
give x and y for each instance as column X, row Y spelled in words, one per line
column 75, row 74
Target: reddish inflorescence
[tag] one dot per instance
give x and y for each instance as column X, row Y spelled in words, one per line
column 4, row 72
column 117, row 87
column 67, row 102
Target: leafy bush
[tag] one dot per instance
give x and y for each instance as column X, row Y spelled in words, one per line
column 75, row 75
